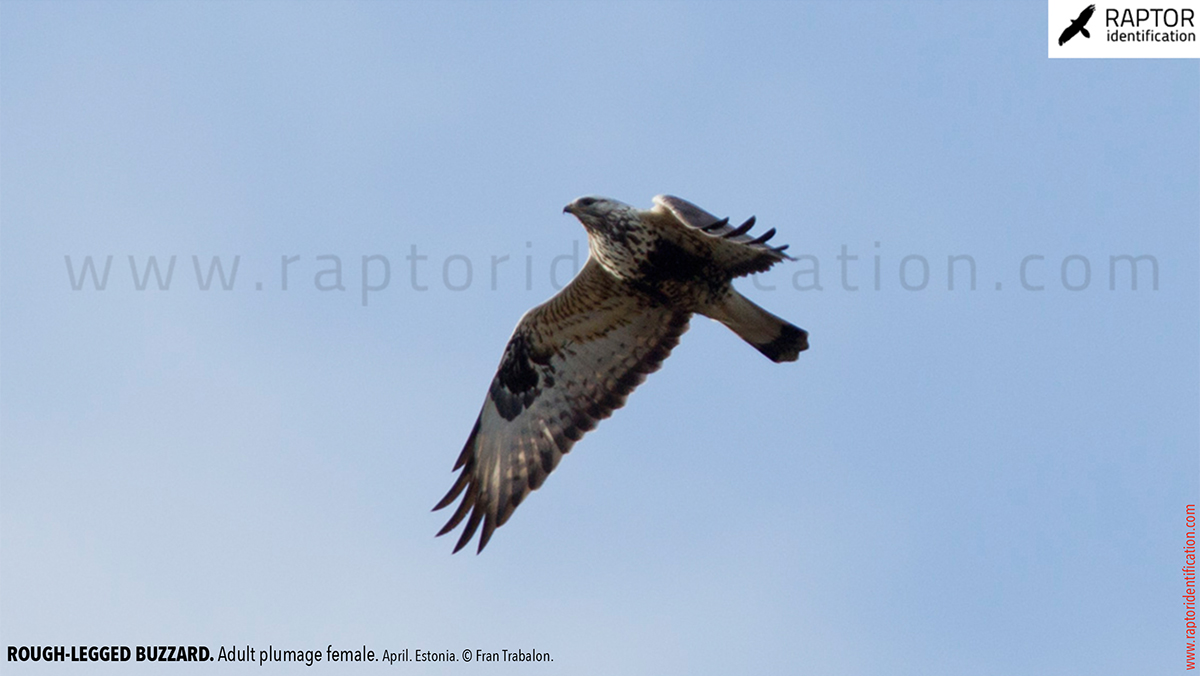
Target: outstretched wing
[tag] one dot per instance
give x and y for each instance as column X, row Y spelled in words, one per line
column 737, row 252
column 569, row 364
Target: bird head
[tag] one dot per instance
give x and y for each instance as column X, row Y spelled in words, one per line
column 599, row 214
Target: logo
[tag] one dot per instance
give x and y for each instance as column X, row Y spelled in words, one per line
column 1077, row 26
column 1123, row 29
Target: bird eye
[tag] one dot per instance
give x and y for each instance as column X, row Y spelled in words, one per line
column 586, row 201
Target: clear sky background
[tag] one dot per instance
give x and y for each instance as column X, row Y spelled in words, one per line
column 986, row 481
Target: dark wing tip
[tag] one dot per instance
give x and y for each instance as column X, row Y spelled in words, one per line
column 696, row 218
column 478, row 512
column 459, row 484
column 468, row 501
column 469, row 529
column 741, row 229
column 489, row 526
column 764, row 237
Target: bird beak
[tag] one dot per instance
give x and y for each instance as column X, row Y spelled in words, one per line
column 568, row 210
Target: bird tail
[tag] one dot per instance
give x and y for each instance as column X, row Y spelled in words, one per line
column 775, row 338
column 1085, row 32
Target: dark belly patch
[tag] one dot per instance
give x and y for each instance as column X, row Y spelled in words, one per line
column 669, row 269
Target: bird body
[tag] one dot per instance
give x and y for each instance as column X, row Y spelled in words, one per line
column 574, row 359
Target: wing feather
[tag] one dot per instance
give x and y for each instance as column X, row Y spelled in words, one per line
column 569, row 364
column 740, row 253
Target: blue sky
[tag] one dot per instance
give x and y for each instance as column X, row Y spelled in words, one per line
column 986, row 481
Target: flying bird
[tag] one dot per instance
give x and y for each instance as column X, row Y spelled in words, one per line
column 1077, row 26
column 574, row 359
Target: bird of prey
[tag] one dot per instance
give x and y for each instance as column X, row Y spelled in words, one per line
column 1077, row 26
column 574, row 359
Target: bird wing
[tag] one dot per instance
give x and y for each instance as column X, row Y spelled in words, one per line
column 736, row 251
column 1085, row 15
column 569, row 364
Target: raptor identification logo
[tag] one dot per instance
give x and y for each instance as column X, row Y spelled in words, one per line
column 1123, row 29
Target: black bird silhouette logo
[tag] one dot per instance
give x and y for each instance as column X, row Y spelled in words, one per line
column 1077, row 26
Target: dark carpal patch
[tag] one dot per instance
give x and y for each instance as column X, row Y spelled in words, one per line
column 516, row 384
